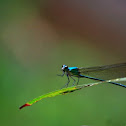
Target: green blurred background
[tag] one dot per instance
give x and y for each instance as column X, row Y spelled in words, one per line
column 36, row 38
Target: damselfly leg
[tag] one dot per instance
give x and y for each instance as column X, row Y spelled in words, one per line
column 78, row 80
column 73, row 80
column 61, row 74
column 66, row 85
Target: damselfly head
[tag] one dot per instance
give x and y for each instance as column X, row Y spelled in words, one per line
column 64, row 67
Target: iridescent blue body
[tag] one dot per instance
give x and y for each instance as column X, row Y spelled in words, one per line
column 116, row 70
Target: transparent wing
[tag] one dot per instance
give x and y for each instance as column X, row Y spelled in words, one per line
column 105, row 72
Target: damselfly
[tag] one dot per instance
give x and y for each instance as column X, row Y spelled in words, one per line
column 99, row 73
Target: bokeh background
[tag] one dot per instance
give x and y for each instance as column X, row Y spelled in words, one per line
column 37, row 37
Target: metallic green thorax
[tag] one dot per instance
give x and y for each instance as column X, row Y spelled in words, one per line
column 73, row 71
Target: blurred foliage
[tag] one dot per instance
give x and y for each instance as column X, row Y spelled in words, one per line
column 22, row 77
